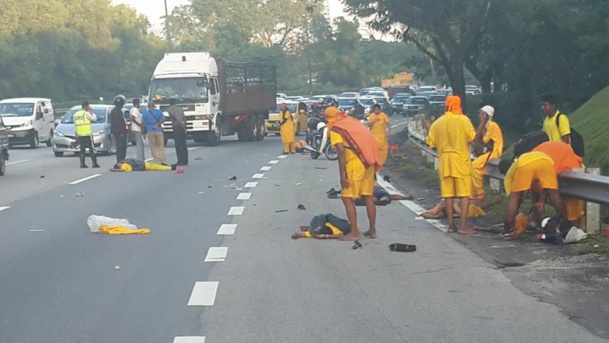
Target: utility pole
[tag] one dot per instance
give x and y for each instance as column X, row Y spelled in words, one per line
column 308, row 15
column 167, row 27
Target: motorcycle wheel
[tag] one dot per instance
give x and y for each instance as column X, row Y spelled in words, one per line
column 331, row 153
column 315, row 155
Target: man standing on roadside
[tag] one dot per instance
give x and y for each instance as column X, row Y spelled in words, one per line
column 82, row 122
column 451, row 135
column 118, row 127
column 556, row 130
column 178, row 122
column 358, row 160
column 381, row 129
column 153, row 120
column 491, row 136
column 136, row 128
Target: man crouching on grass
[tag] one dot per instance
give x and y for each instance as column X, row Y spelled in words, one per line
column 358, row 160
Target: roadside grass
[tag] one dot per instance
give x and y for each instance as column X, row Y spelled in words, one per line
column 594, row 244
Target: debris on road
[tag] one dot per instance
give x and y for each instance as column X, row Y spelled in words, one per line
column 301, row 207
column 357, row 245
column 232, row 178
column 42, row 176
column 113, row 226
column 199, row 159
column 280, row 211
column 321, row 168
column 387, row 178
column 298, row 184
column 79, row 195
column 36, row 230
column 180, row 170
column 117, row 267
column 399, row 247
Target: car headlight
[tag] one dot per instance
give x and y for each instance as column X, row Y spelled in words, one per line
column 59, row 133
column 27, row 123
column 98, row 133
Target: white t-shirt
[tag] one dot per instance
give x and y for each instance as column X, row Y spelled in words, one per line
column 135, row 112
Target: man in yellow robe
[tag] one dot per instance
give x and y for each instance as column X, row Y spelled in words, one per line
column 288, row 130
column 492, row 137
column 381, row 129
column 451, row 135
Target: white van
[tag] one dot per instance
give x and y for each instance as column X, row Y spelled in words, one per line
column 29, row 121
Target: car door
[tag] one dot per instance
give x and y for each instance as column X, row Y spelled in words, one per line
column 49, row 116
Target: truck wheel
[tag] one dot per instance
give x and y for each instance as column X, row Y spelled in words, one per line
column 259, row 128
column 213, row 138
column 250, row 128
column 49, row 142
column 2, row 163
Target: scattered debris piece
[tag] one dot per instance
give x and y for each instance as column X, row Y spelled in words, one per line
column 357, row 245
column 36, row 230
column 321, row 168
column 113, row 226
column 208, row 186
column 402, row 247
column 42, row 176
column 117, row 267
column 78, row 195
column 298, row 184
column 61, row 196
column 201, row 193
column 180, row 170
column 199, row 159
column 387, row 178
column 232, row 178
column 280, row 211
column 301, row 207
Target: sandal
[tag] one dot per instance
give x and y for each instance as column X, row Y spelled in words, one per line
column 402, row 247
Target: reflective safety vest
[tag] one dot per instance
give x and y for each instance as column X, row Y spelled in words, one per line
column 82, row 123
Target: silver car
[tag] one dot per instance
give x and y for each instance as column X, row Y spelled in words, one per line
column 64, row 138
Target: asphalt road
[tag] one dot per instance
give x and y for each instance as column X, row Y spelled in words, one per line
column 59, row 282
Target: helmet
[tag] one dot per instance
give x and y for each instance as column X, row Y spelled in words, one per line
column 320, row 126
column 120, row 99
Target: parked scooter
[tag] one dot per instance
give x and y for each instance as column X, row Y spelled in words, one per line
column 320, row 143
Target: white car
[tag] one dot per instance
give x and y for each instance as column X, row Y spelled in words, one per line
column 29, row 121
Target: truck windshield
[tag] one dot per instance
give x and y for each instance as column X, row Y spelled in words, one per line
column 17, row 109
column 181, row 89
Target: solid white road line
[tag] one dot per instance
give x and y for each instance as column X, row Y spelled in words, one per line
column 17, row 162
column 244, row 196
column 258, row 176
column 236, row 211
column 396, row 125
column 267, row 168
column 282, row 156
column 84, row 179
column 216, row 254
column 274, row 162
column 203, row 294
column 227, row 229
column 189, row 339
column 251, row 185
column 194, row 148
column 2, row 208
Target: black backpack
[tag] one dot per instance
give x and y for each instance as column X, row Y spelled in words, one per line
column 529, row 142
column 577, row 141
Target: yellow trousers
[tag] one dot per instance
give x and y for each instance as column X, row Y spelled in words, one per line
column 156, row 167
column 289, row 148
column 479, row 169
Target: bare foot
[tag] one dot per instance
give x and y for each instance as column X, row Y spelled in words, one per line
column 451, row 230
column 428, row 215
column 370, row 235
column 350, row 237
column 467, row 231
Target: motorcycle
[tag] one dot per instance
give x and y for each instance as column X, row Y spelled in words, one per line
column 320, row 143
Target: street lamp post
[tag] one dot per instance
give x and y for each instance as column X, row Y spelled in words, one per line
column 167, row 27
column 308, row 15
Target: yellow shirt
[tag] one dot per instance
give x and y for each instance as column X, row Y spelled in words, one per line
column 379, row 129
column 350, row 155
column 126, row 167
column 522, row 161
column 493, row 132
column 451, row 135
column 554, row 132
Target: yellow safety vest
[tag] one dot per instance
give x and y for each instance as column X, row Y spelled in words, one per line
column 82, row 123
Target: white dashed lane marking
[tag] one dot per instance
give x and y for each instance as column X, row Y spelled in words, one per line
column 282, row 156
column 251, row 185
column 216, row 254
column 2, row 208
column 203, row 294
column 189, row 339
column 227, row 229
column 267, row 168
column 84, row 179
column 16, row 162
column 236, row 211
column 258, row 176
column 274, row 162
column 244, row 196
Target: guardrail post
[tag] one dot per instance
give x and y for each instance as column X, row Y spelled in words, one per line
column 436, row 162
column 495, row 185
column 593, row 211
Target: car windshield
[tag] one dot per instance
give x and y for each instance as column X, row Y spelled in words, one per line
column 349, row 95
column 380, row 100
column 376, row 94
column 17, row 109
column 291, row 108
column 437, row 98
column 346, row 102
column 367, row 101
column 400, row 97
column 418, row 101
column 181, row 89
column 100, row 113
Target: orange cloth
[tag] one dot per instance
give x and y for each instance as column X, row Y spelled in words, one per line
column 453, row 104
column 561, row 153
column 358, row 137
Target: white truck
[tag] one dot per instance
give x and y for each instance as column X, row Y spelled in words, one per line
column 218, row 98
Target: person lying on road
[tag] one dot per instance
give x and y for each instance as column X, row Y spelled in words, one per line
column 324, row 226
column 132, row 164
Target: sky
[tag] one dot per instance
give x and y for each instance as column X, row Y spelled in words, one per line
column 155, row 9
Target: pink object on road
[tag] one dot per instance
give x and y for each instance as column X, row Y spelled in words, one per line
column 180, row 170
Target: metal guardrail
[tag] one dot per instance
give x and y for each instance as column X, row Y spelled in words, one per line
column 589, row 186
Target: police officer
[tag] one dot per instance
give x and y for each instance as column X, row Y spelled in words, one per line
column 118, row 127
column 82, row 122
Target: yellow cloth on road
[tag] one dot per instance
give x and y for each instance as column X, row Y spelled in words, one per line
column 493, row 132
column 360, row 178
column 121, row 230
column 451, row 135
column 378, row 123
column 156, row 167
column 288, row 132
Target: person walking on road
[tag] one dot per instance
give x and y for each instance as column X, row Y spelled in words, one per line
column 451, row 135
column 178, row 123
column 136, row 128
column 358, row 160
column 118, row 127
column 557, row 130
column 381, row 129
column 153, row 119
column 82, row 122
column 288, row 130
column 489, row 133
